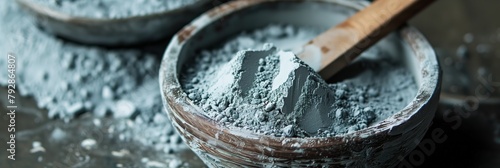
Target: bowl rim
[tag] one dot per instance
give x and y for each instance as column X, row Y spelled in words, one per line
column 66, row 17
column 429, row 87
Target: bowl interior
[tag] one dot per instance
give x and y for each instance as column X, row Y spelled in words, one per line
column 120, row 31
column 406, row 45
column 317, row 14
column 381, row 142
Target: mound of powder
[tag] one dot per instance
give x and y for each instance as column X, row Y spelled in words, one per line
column 272, row 92
column 113, row 8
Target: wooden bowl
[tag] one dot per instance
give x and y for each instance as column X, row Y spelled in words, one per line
column 115, row 31
column 379, row 145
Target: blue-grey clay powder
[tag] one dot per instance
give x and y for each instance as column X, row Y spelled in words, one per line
column 113, row 8
column 250, row 84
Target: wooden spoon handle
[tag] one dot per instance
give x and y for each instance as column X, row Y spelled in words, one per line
column 338, row 46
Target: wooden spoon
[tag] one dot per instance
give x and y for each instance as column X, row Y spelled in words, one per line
column 334, row 49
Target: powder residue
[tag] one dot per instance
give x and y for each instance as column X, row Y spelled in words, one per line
column 69, row 79
column 242, row 84
column 112, row 8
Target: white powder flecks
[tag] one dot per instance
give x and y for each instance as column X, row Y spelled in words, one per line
column 113, row 8
column 37, row 147
column 287, row 65
column 273, row 92
column 175, row 164
column 120, row 153
column 88, row 143
column 58, row 135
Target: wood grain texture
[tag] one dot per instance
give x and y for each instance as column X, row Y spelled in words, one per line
column 343, row 43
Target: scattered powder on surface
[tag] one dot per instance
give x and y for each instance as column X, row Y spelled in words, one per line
column 113, row 8
column 89, row 143
column 69, row 79
column 37, row 147
column 243, row 84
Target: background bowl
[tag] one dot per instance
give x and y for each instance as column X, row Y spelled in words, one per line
column 380, row 145
column 115, row 31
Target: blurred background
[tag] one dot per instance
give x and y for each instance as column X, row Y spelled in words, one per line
column 464, row 33
column 466, row 38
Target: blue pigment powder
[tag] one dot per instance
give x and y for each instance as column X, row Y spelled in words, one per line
column 249, row 84
column 113, row 8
